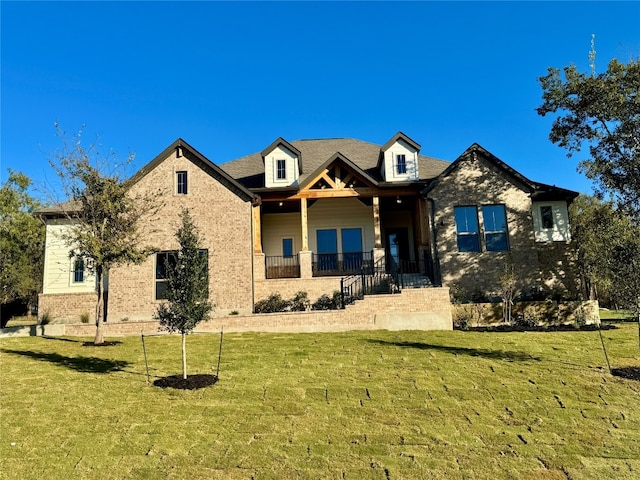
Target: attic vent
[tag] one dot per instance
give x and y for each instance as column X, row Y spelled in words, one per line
column 178, row 152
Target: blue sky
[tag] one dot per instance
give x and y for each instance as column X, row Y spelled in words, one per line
column 231, row 77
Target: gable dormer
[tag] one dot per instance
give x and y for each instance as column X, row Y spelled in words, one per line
column 282, row 164
column 399, row 159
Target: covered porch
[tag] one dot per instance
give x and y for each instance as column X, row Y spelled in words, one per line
column 341, row 222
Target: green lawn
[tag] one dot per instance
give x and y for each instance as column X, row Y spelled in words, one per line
column 383, row 405
column 606, row 314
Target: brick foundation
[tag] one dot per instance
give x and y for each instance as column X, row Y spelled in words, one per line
column 413, row 309
column 67, row 307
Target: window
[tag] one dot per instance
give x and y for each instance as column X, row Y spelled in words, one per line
column 495, row 228
column 401, row 164
column 78, row 270
column 467, row 229
column 281, row 169
column 181, row 183
column 546, row 216
column 164, row 262
column 287, row 247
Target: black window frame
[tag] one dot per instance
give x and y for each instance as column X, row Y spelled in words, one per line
column 546, row 219
column 401, row 167
column 281, row 170
column 160, row 280
column 182, row 185
column 78, row 269
column 466, row 234
column 489, row 245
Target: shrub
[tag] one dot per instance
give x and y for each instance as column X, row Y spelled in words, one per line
column 46, row 318
column 300, row 302
column 234, row 312
column 325, row 302
column 462, row 317
column 525, row 321
column 84, row 318
column 273, row 304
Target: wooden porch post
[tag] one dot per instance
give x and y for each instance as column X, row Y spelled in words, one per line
column 304, row 226
column 377, row 237
column 257, row 233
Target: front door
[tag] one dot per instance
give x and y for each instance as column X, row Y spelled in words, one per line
column 397, row 246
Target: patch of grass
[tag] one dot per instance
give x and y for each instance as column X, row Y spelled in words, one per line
column 378, row 405
column 22, row 321
column 606, row 314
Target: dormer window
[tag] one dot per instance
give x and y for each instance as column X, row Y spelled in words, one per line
column 281, row 169
column 401, row 164
column 398, row 160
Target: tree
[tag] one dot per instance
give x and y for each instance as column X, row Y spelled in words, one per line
column 104, row 214
column 187, row 285
column 603, row 112
column 21, row 243
column 608, row 251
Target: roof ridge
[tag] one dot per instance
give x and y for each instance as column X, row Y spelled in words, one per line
column 328, row 138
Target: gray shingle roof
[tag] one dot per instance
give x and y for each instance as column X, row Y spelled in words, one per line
column 249, row 170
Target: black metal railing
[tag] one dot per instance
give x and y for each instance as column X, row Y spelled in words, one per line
column 337, row 264
column 282, row 267
column 408, row 274
column 371, row 279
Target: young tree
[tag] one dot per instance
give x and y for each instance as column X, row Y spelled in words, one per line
column 508, row 290
column 187, row 285
column 603, row 112
column 21, row 242
column 104, row 214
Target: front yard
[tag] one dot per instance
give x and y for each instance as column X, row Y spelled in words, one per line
column 375, row 404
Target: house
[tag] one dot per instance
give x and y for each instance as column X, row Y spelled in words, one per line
column 308, row 214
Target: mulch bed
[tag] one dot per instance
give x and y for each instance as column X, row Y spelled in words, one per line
column 105, row 344
column 630, row 373
column 547, row 328
column 193, row 382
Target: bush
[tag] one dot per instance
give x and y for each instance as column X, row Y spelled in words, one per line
column 525, row 321
column 300, row 302
column 325, row 302
column 84, row 318
column 462, row 317
column 273, row 304
column 46, row 318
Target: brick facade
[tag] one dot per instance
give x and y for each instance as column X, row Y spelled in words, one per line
column 68, row 307
column 478, row 182
column 224, row 221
